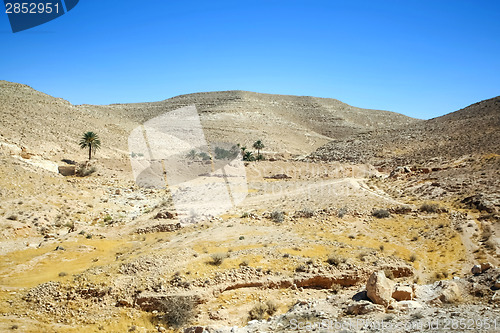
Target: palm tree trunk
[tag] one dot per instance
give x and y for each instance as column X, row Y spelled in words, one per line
column 90, row 152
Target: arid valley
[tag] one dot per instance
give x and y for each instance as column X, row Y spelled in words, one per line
column 351, row 215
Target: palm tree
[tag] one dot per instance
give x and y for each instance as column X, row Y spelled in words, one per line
column 248, row 156
column 258, row 145
column 91, row 141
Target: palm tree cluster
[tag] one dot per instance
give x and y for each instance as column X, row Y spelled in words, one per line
column 248, row 155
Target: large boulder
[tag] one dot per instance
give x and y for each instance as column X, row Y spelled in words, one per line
column 379, row 288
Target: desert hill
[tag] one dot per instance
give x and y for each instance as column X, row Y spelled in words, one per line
column 472, row 130
column 287, row 124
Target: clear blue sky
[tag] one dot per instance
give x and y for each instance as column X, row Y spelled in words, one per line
column 417, row 57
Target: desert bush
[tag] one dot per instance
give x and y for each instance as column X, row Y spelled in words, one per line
column 204, row 156
column 430, row 208
column 381, row 213
column 277, row 216
column 271, row 307
column 413, row 257
column 245, row 215
column 301, row 268
column 389, row 274
column 177, row 311
column 244, row 263
column 416, row 316
column 362, row 256
column 306, row 212
column 335, row 260
column 218, row 258
column 342, row 211
column 223, row 154
column 257, row 312
column 85, row 170
column 12, row 217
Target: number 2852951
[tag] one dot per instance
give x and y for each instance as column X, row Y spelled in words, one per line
column 31, row 8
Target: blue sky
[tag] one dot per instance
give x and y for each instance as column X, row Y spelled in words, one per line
column 417, row 57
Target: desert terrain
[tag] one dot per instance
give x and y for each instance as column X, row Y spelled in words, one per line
column 352, row 215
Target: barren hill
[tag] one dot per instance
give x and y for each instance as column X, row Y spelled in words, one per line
column 472, row 130
column 287, row 124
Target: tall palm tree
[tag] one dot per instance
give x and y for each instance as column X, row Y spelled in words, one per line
column 258, row 145
column 91, row 141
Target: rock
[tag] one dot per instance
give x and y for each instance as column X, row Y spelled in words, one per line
column 402, row 293
column 476, row 269
column 363, row 307
column 124, row 303
column 68, row 170
column 164, row 215
column 399, row 171
column 497, row 284
column 159, row 228
column 406, row 305
column 195, row 329
column 449, row 292
column 485, row 266
column 379, row 288
column 480, row 202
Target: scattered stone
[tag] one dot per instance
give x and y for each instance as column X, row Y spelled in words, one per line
column 485, row 266
column 449, row 292
column 363, row 307
column 476, row 269
column 159, row 228
column 406, row 305
column 164, row 215
column 497, row 284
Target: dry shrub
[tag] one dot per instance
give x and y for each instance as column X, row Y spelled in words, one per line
column 381, row 213
column 177, row 311
column 257, row 312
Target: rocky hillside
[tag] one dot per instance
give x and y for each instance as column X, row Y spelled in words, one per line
column 472, row 130
column 286, row 124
